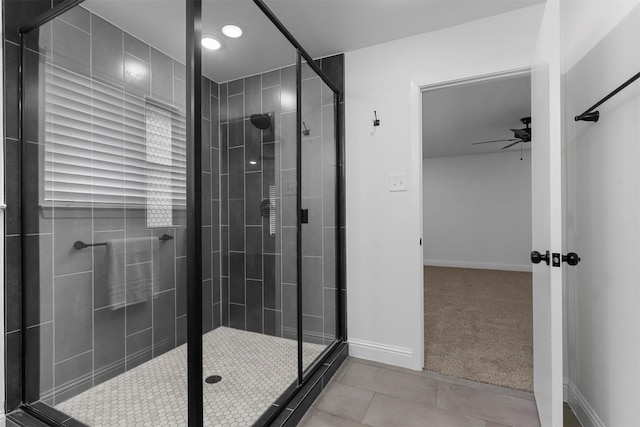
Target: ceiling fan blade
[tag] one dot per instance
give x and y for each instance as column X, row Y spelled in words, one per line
column 512, row 144
column 497, row 140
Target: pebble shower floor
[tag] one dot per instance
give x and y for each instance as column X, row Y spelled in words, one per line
column 255, row 370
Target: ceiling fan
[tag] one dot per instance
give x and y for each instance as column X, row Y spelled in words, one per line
column 520, row 135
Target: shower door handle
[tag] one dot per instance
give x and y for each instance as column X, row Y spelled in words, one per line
column 304, row 216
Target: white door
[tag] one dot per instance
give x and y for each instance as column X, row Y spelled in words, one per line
column 546, row 158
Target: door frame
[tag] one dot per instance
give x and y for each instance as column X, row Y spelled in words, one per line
column 417, row 87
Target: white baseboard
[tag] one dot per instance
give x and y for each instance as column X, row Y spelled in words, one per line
column 383, row 353
column 583, row 410
column 478, row 265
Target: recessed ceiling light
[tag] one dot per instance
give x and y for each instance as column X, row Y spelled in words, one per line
column 210, row 43
column 232, row 31
column 253, row 162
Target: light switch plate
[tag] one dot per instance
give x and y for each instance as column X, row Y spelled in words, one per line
column 398, row 182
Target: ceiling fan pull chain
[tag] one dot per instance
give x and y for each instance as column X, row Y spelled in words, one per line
column 521, row 142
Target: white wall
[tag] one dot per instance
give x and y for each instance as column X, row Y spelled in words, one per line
column 477, row 211
column 603, row 223
column 384, row 258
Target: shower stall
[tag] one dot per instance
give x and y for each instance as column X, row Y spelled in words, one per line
column 181, row 222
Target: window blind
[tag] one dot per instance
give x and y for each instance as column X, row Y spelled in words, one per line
column 105, row 146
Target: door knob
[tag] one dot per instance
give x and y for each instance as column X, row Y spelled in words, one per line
column 571, row 258
column 536, row 257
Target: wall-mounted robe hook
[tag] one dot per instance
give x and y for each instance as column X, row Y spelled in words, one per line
column 306, row 131
column 376, row 121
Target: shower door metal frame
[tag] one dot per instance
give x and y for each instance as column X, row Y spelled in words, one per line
column 193, row 66
column 299, row 278
column 193, row 63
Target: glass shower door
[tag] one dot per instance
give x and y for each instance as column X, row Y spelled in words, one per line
column 250, row 356
column 104, row 201
column 318, row 166
column 104, row 217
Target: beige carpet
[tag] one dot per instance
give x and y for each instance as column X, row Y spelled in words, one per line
column 479, row 325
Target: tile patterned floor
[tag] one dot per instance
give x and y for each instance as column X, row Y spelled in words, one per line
column 364, row 393
column 255, row 370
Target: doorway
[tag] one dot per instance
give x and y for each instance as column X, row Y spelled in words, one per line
column 476, row 137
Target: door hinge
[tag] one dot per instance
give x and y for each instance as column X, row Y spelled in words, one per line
column 304, row 216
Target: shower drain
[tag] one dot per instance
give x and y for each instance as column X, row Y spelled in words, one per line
column 213, row 379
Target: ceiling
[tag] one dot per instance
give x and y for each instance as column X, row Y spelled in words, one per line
column 454, row 117
column 323, row 27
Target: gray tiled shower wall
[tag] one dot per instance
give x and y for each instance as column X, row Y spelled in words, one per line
column 259, row 272
column 75, row 338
